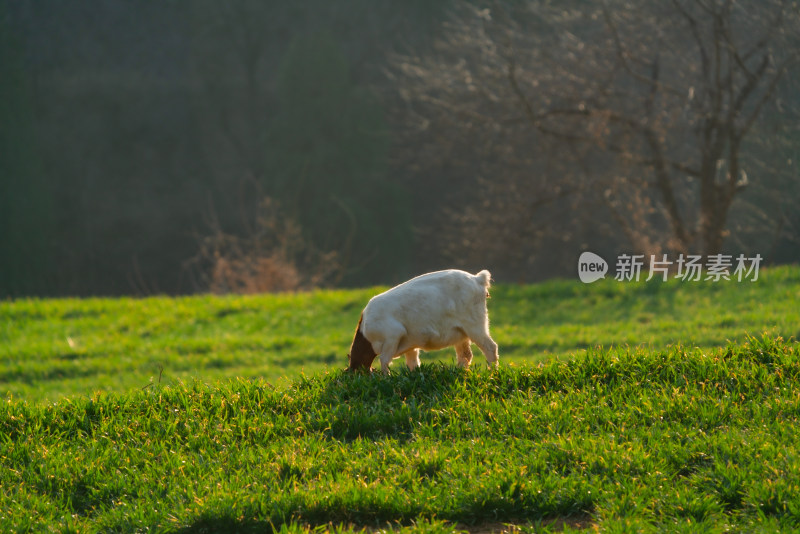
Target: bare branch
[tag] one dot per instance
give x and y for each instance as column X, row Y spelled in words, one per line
column 693, row 26
column 768, row 93
column 623, row 55
column 512, row 80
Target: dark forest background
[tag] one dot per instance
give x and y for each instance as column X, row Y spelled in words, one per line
column 194, row 145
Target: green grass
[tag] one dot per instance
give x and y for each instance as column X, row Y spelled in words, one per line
column 55, row 348
column 680, row 439
column 681, row 422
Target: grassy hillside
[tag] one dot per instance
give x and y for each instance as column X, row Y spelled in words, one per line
column 619, row 406
column 634, row 440
column 53, row 348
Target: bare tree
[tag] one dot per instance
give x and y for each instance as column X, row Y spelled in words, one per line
column 646, row 109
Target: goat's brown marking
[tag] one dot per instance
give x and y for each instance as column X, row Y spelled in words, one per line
column 361, row 352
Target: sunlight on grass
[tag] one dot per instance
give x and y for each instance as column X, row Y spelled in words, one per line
column 622, row 407
column 52, row 348
column 634, row 437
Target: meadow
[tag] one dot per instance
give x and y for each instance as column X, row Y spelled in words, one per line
column 618, row 406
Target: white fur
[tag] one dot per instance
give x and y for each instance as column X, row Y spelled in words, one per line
column 430, row 312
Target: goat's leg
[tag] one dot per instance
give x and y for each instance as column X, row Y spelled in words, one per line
column 412, row 358
column 388, row 352
column 464, row 353
column 487, row 346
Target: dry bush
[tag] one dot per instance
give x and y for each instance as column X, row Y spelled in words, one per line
column 273, row 257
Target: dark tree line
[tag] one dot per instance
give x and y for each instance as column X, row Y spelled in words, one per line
column 255, row 146
column 135, row 132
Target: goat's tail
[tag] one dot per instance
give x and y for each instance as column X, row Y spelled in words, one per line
column 484, row 278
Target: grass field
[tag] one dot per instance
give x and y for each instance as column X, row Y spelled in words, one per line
column 55, row 348
column 620, row 406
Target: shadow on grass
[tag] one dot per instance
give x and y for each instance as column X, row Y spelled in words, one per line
column 375, row 406
column 328, row 522
column 211, row 525
column 58, row 371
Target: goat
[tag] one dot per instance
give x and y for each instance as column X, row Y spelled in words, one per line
column 429, row 312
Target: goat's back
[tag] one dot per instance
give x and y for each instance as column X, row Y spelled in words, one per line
column 432, row 297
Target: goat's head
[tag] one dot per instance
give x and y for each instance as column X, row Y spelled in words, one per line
column 361, row 353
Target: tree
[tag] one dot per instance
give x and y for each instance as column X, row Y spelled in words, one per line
column 296, row 122
column 642, row 111
column 326, row 156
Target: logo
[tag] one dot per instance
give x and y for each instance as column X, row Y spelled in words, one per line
column 591, row 267
column 687, row 268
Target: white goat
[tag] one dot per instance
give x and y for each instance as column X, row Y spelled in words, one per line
column 429, row 312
